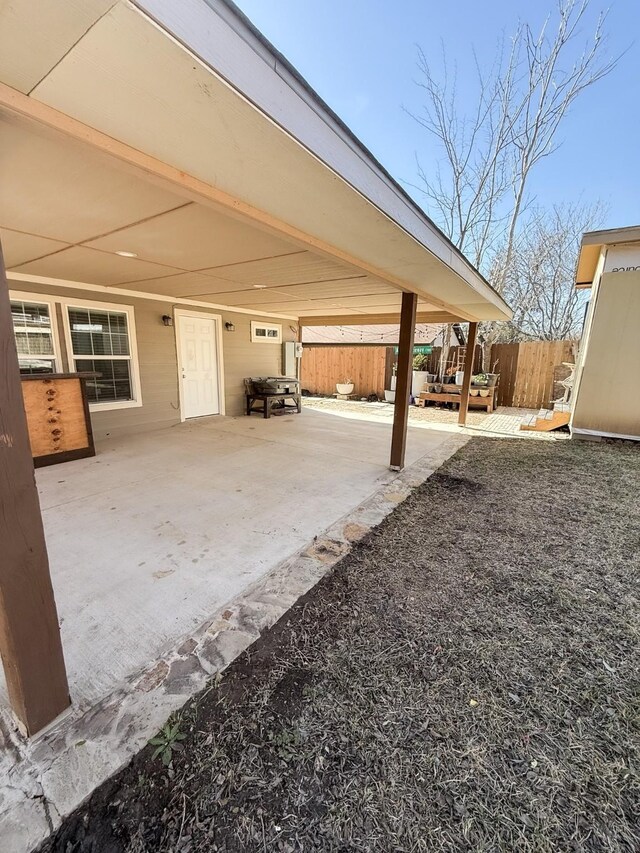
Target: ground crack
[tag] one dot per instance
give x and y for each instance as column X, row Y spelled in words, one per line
column 47, row 806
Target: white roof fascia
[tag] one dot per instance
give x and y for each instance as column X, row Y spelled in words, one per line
column 612, row 236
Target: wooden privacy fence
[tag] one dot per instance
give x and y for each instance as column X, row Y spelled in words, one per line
column 323, row 366
column 527, row 370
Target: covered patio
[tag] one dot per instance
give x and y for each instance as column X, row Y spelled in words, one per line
column 161, row 530
column 176, row 205
column 157, row 164
column 170, row 552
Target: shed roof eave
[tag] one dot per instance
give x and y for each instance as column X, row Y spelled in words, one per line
column 591, row 246
column 609, row 236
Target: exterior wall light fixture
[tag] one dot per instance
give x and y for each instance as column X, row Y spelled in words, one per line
column 229, row 327
column 167, row 319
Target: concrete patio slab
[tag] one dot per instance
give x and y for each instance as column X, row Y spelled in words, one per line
column 170, row 552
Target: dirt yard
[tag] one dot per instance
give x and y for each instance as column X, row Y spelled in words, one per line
column 465, row 680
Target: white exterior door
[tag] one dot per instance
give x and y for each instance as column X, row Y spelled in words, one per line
column 198, row 365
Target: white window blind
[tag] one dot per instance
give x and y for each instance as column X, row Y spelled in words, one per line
column 100, row 344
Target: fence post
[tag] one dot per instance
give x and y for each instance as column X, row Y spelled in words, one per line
column 389, row 361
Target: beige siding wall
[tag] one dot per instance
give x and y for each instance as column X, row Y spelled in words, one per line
column 608, row 396
column 243, row 358
column 158, row 359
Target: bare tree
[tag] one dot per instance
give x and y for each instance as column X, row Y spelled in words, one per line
column 539, row 283
column 479, row 194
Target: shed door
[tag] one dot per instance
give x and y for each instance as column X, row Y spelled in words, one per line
column 198, row 368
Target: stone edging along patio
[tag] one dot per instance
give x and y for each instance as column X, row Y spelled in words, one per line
column 45, row 779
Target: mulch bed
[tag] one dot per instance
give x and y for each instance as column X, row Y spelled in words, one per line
column 466, row 679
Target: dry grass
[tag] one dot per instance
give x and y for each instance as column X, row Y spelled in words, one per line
column 465, row 680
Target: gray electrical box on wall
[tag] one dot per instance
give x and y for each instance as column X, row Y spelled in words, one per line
column 291, row 352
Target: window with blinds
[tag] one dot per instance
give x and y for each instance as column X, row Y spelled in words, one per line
column 100, row 344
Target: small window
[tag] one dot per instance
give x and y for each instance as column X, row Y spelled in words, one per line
column 266, row 333
column 34, row 334
column 101, row 343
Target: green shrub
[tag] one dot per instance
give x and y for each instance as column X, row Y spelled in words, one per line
column 420, row 362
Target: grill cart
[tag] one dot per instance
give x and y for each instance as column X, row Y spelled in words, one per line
column 273, row 392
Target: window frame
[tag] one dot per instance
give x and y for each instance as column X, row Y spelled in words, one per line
column 258, row 324
column 134, row 366
column 50, row 301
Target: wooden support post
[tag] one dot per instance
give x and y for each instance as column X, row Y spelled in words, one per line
column 469, row 358
column 404, row 376
column 30, row 643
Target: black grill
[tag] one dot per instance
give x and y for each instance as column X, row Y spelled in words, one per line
column 275, row 385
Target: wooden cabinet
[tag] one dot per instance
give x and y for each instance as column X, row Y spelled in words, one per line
column 57, row 417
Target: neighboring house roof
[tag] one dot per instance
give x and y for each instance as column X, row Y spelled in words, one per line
column 386, row 334
column 219, row 137
column 591, row 246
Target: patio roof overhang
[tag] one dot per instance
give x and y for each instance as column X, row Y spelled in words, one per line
column 174, row 132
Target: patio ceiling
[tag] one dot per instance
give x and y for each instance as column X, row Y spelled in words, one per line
column 117, row 138
column 67, row 210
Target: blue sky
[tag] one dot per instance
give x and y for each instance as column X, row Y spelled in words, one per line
column 360, row 56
